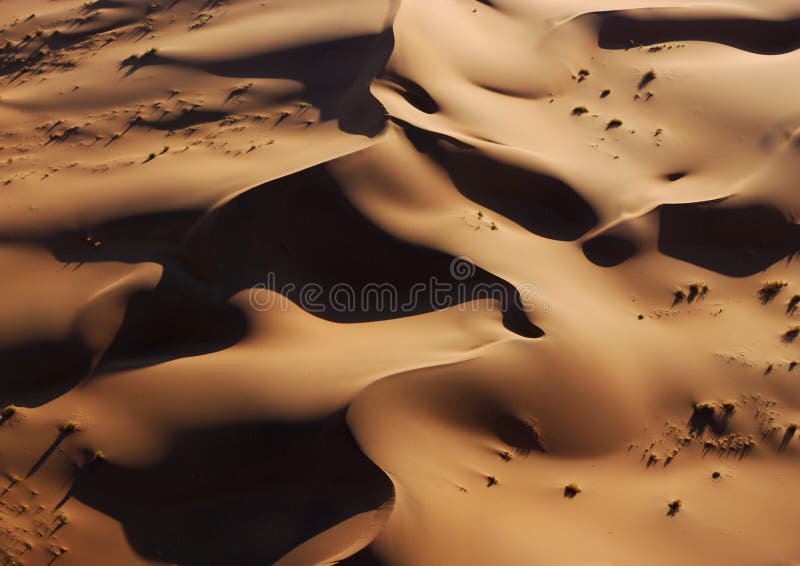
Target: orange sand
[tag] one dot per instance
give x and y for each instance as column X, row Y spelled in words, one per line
column 159, row 161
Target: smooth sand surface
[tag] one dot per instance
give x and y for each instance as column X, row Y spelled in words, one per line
column 176, row 175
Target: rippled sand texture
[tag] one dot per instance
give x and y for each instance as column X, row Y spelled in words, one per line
column 625, row 170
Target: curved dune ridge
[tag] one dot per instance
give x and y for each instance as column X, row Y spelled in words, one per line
column 414, row 282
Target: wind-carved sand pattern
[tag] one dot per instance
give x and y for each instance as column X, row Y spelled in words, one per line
column 399, row 282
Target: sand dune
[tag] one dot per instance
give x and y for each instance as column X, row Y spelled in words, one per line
column 399, row 282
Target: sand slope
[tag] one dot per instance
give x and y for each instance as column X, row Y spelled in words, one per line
column 175, row 175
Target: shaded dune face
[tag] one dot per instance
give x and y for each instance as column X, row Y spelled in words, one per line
column 299, row 231
column 413, row 93
column 176, row 318
column 179, row 316
column 726, row 238
column 608, row 250
column 621, row 30
column 130, row 239
column 335, row 75
column 364, row 557
column 267, row 485
column 540, row 203
column 40, row 371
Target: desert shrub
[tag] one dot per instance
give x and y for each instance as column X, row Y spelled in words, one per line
column 647, row 78
column 769, row 290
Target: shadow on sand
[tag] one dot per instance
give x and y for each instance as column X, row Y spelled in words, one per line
column 267, row 486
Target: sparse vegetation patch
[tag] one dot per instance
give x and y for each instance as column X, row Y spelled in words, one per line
column 769, row 290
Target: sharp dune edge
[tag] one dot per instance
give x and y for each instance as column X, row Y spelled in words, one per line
column 173, row 173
